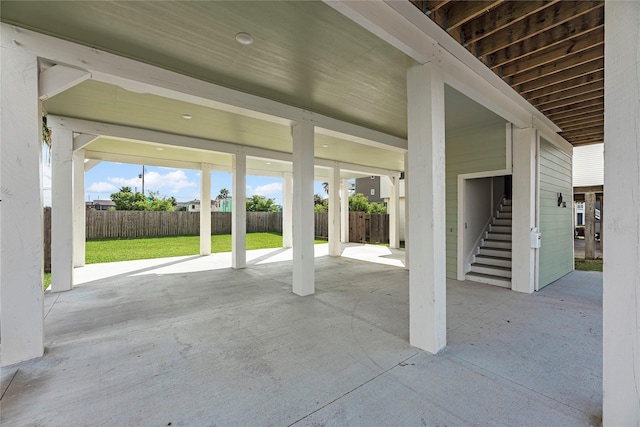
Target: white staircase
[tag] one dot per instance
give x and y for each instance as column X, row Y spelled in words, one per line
column 492, row 262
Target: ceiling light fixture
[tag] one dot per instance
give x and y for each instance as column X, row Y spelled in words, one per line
column 159, row 148
column 187, row 116
column 325, row 145
column 244, row 38
column 268, row 163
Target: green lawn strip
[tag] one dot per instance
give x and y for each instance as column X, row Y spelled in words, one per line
column 47, row 280
column 113, row 250
column 588, row 264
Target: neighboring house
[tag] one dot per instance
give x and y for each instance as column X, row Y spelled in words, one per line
column 588, row 177
column 100, row 205
column 370, row 187
column 222, row 205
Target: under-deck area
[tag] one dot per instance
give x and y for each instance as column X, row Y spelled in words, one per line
column 191, row 342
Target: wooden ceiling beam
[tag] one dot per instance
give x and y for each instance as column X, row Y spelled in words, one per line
column 558, row 66
column 433, row 6
column 595, row 113
column 569, row 93
column 508, row 13
column 590, row 131
column 553, row 54
column 591, row 142
column 461, row 12
column 547, row 18
column 574, row 72
column 571, row 29
column 597, row 94
column 582, row 124
column 597, row 76
column 591, row 104
column 584, row 140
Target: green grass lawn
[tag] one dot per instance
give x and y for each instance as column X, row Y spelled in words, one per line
column 588, row 264
column 112, row 250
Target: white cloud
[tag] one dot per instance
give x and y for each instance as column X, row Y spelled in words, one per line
column 102, row 187
column 170, row 182
column 274, row 188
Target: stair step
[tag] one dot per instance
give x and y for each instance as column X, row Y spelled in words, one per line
column 489, row 279
column 500, row 228
column 502, row 221
column 490, row 243
column 498, row 236
column 491, row 269
column 496, row 252
column 504, row 208
column 505, row 215
column 493, row 260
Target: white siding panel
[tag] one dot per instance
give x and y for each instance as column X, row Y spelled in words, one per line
column 588, row 165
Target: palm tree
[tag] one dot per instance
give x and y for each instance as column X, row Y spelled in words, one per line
column 325, row 186
column 224, row 193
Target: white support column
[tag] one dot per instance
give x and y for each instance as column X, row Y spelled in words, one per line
column 621, row 277
column 239, row 221
column 303, row 219
column 21, row 217
column 393, row 209
column 406, row 211
column 427, row 280
column 344, row 211
column 61, row 210
column 79, row 210
column 334, row 212
column 205, row 209
column 524, row 209
column 287, row 210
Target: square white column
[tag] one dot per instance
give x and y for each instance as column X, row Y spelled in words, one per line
column 393, row 208
column 61, row 210
column 205, row 209
column 524, row 209
column 303, row 218
column 21, row 210
column 239, row 215
column 426, row 142
column 621, row 276
column 79, row 210
column 406, row 211
column 335, row 248
column 344, row 210
column 287, row 210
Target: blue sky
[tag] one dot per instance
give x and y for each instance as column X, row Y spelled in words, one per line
column 183, row 184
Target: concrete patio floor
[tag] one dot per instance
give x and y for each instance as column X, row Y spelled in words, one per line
column 190, row 342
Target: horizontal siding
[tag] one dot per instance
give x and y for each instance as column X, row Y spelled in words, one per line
column 588, row 163
column 556, row 252
column 480, row 150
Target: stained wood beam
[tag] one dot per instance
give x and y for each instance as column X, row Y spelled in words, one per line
column 547, row 18
column 554, row 52
column 574, row 72
column 581, row 124
column 508, row 13
column 586, row 96
column 592, row 104
column 591, row 23
column 433, row 6
column 568, row 93
column 563, row 117
column 596, row 76
column 590, row 131
column 558, row 66
column 461, row 12
column 585, row 140
column 591, row 117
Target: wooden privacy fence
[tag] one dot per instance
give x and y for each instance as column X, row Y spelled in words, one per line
column 363, row 227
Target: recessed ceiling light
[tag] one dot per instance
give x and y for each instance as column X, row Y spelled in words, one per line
column 244, row 38
column 268, row 163
column 159, row 148
column 325, row 145
column 187, row 116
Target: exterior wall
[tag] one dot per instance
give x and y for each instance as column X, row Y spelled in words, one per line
column 366, row 185
column 556, row 253
column 470, row 151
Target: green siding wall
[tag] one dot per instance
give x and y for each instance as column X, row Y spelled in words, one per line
column 476, row 150
column 556, row 252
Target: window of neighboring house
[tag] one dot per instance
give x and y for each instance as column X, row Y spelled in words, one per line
column 580, row 218
column 373, row 192
column 193, row 206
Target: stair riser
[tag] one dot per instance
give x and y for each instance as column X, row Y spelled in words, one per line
column 505, row 215
column 496, row 244
column 493, row 252
column 502, row 221
column 506, row 203
column 500, row 228
column 505, row 208
column 491, row 271
column 497, row 262
column 490, row 281
column 495, row 236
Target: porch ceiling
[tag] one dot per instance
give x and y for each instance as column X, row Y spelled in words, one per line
column 551, row 52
